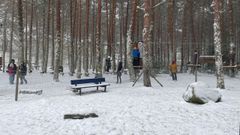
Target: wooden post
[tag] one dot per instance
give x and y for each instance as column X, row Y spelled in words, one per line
column 196, row 62
column 17, row 84
column 195, row 74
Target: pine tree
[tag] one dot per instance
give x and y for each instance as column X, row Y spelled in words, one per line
column 20, row 30
column 217, row 44
column 98, row 41
column 147, row 44
column 58, row 47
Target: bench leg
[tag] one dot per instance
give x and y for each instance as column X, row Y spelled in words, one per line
column 75, row 90
column 105, row 88
column 97, row 88
column 80, row 91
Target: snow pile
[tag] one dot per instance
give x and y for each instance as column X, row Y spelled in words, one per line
column 200, row 93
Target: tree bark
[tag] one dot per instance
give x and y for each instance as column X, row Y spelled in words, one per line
column 4, row 47
column 26, row 33
column 71, row 60
column 125, row 36
column 12, row 29
column 37, row 42
column 43, row 40
column 79, row 56
column 217, row 44
column 86, row 58
column 147, row 44
column 112, row 33
column 21, row 31
column 171, row 54
column 130, row 38
column 58, row 30
column 30, row 38
column 53, row 36
column 98, row 41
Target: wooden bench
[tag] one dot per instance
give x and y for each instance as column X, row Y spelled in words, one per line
column 78, row 85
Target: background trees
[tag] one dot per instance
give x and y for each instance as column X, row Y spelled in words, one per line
column 91, row 30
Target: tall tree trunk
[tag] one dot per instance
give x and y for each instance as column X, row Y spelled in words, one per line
column 86, row 39
column 30, row 38
column 121, row 31
column 152, row 27
column 43, row 40
column 71, row 60
column 112, row 33
column 217, row 44
column 4, row 47
column 130, row 39
column 191, row 14
column 170, row 47
column 108, row 29
column 75, row 35
column 37, row 42
column 184, row 36
column 93, row 49
column 79, row 56
column 98, row 41
column 46, row 46
column 53, row 36
column 58, row 49
column 125, row 36
column 147, row 44
column 26, row 33
column 21, row 31
column 63, row 31
column 232, row 50
column 12, row 29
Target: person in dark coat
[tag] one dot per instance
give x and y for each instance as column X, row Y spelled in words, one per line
column 108, row 63
column 11, row 70
column 119, row 72
column 23, row 73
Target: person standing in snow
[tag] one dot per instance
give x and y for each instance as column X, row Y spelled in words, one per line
column 11, row 70
column 108, row 63
column 136, row 56
column 119, row 72
column 173, row 70
column 23, row 73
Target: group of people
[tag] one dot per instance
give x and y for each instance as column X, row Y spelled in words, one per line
column 137, row 63
column 12, row 70
column 119, row 69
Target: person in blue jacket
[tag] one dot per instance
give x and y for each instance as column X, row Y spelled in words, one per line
column 136, row 56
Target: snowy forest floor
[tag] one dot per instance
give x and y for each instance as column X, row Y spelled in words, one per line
column 122, row 110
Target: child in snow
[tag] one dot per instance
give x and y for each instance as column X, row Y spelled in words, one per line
column 173, row 70
column 119, row 72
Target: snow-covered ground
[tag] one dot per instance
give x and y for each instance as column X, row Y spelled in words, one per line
column 122, row 110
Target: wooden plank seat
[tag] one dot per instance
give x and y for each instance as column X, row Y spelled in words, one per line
column 78, row 85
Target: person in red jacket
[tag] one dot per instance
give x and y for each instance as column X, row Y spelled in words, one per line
column 11, row 69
